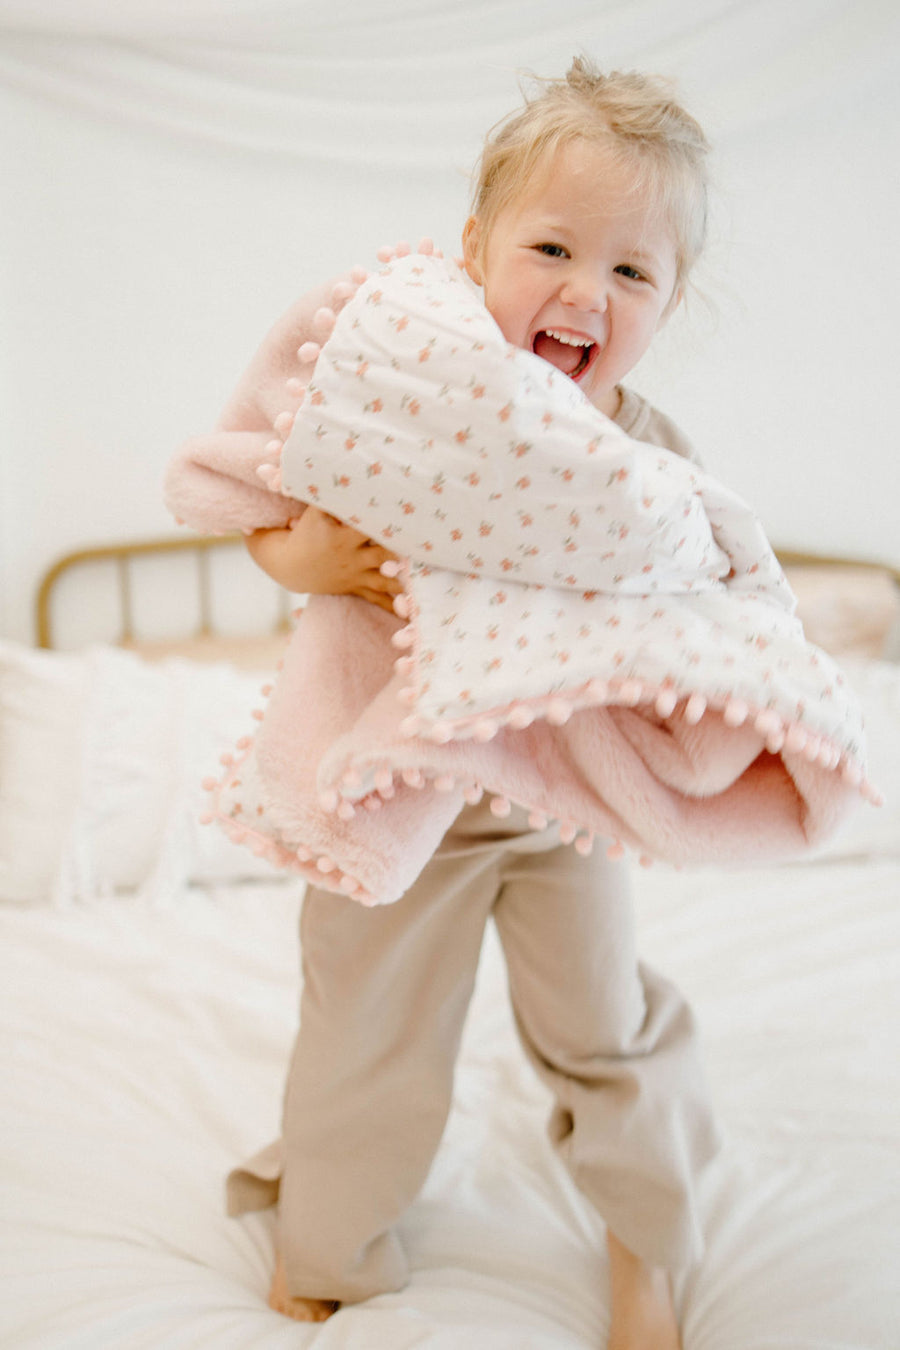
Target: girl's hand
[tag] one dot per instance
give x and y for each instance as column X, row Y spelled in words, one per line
column 319, row 555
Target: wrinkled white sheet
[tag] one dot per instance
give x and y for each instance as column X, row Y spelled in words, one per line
column 142, row 1052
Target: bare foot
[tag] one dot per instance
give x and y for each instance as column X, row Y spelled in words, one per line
column 642, row 1316
column 300, row 1309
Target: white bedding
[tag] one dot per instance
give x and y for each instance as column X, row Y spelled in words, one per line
column 143, row 1050
column 148, row 1004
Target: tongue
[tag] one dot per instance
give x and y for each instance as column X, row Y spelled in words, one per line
column 560, row 354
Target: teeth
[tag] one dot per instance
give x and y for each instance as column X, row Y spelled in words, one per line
column 569, row 339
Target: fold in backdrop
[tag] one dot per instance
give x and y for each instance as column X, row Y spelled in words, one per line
column 175, row 174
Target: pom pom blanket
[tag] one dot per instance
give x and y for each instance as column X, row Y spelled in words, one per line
column 589, row 625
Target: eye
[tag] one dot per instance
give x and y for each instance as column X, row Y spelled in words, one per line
column 626, row 270
column 552, row 250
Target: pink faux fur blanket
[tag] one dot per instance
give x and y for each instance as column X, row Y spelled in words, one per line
column 628, row 666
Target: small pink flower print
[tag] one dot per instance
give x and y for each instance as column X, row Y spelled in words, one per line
column 571, row 546
column 567, row 475
column 478, row 391
column 619, row 659
column 389, row 531
column 562, row 657
column 425, row 353
column 374, row 469
column 463, row 435
column 613, row 621
column 350, row 442
column 361, row 369
column 623, row 532
column 375, row 298
column 505, row 413
column 376, row 406
column 312, row 491
column 521, row 449
column 407, row 508
column 525, row 519
column 589, row 595
column 547, row 419
column 413, row 406
column 437, row 484
column 646, row 502
column 494, row 665
column 570, row 581
column 507, row 564
column 620, row 476
column 493, row 631
column 484, row 529
column 343, row 481
column 532, row 553
column 761, row 644
column 647, row 567
column 498, row 598
column 584, row 631
column 473, row 479
column 523, row 483
column 317, row 398
column 574, row 519
column 522, row 642
column 593, row 446
column 402, row 322
column 456, row 535
column 427, row 546
column 477, row 562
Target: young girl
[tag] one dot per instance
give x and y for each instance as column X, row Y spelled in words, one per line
column 589, row 214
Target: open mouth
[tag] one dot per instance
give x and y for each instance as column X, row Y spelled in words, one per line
column 570, row 353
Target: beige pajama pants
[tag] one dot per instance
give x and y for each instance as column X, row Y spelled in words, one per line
column 385, row 994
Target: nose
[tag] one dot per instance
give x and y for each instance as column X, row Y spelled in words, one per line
column 585, row 288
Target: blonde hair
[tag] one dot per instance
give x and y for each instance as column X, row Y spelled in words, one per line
column 635, row 116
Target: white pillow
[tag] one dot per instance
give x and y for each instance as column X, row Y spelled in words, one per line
column 102, row 756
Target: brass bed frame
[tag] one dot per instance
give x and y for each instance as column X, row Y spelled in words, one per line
column 123, row 557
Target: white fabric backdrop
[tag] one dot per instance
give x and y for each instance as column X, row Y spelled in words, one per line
column 175, row 173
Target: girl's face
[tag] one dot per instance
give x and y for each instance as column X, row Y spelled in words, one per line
column 580, row 270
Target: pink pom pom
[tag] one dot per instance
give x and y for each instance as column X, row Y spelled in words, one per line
column 391, row 568
column 485, row 730
column 584, row 845
column 346, row 810
column 852, row 774
column 445, row 782
column 411, row 726
column 402, row 249
column 206, row 818
column 295, row 387
column 520, row 716
column 567, row 831
column 209, row 784
column 694, row 709
column 283, row 423
column 599, row 690
column 328, row 799
column 795, row 738
column 767, row 722
column 359, row 274
column 257, row 714
column 473, row 794
column 666, row 702
column 402, row 606
column 404, row 637
column 383, row 778
column 325, row 865
column 349, row 885
column 615, row 851
column 309, row 352
column 440, row 733
column 736, row 712
column 500, row 807
column 342, row 292
column 407, row 696
column 426, row 246
column 405, row 665
column 537, row 820
column 558, row 712
column 412, row 778
column 385, row 253
column 274, row 449
column 324, row 320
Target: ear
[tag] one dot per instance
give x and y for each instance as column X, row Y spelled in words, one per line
column 471, row 238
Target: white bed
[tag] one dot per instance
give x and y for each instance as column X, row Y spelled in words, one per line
column 149, row 1002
